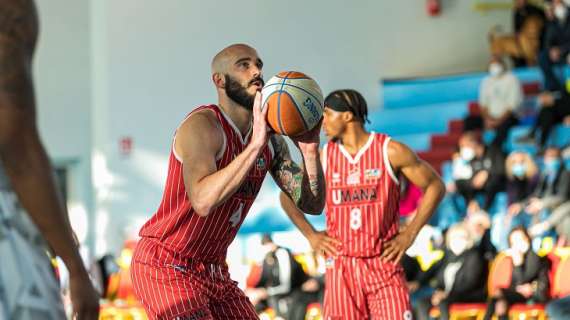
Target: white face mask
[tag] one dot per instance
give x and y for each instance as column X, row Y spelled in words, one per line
column 521, row 246
column 467, row 153
column 457, row 246
column 495, row 69
column 560, row 12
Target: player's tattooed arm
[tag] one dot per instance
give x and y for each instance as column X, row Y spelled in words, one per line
column 305, row 187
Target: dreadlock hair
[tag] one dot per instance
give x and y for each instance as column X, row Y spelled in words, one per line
column 348, row 100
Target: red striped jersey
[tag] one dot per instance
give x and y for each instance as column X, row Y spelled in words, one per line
column 176, row 226
column 362, row 196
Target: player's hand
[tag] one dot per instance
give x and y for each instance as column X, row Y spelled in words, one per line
column 323, row 244
column 309, row 140
column 84, row 298
column 260, row 132
column 394, row 249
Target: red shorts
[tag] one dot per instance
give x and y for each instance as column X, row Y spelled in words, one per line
column 170, row 288
column 365, row 288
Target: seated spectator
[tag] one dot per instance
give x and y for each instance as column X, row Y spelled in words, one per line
column 522, row 176
column 500, row 95
column 281, row 282
column 556, row 46
column 551, row 193
column 529, row 282
column 482, row 172
column 559, row 309
column 479, row 225
column 554, row 109
column 528, row 26
column 460, row 276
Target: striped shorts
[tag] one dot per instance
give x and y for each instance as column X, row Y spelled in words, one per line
column 365, row 288
column 171, row 288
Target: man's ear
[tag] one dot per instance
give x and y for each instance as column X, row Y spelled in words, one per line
column 219, row 80
column 347, row 116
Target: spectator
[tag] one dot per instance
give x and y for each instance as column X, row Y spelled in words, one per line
column 522, row 176
column 529, row 282
column 556, row 46
column 552, row 193
column 460, row 275
column 554, row 109
column 522, row 46
column 500, row 95
column 559, row 309
column 479, row 224
column 483, row 172
column 282, row 278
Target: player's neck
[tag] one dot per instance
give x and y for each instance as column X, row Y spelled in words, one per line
column 239, row 115
column 354, row 139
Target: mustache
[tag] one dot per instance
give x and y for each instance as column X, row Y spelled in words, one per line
column 260, row 79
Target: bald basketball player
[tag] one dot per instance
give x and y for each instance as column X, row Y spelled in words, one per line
column 28, row 287
column 364, row 279
column 219, row 158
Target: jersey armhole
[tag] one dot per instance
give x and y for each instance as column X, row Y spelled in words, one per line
column 218, row 155
column 387, row 161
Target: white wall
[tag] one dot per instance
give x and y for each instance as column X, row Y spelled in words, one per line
column 150, row 66
column 62, row 73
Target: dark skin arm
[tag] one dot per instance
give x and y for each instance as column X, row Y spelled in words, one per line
column 418, row 172
column 23, row 155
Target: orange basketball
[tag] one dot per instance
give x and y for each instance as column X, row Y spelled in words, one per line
column 295, row 103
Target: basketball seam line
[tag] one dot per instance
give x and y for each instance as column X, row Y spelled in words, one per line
column 279, row 103
column 297, row 87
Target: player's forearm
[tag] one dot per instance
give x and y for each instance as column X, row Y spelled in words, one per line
column 215, row 189
column 31, row 175
column 313, row 193
column 298, row 217
column 433, row 194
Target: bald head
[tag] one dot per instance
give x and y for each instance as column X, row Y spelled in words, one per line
column 224, row 59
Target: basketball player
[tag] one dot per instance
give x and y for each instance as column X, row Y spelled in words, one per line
column 28, row 287
column 220, row 156
column 363, row 246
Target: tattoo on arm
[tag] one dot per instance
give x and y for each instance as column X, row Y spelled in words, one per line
column 293, row 180
column 287, row 174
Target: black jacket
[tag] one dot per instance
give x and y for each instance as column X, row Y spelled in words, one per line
column 493, row 160
column 533, row 270
column 558, row 35
column 470, row 280
column 560, row 186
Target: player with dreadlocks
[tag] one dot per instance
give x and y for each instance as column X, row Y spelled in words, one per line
column 363, row 243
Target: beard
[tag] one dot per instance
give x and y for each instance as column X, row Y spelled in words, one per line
column 238, row 93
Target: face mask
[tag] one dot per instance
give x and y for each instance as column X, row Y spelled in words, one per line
column 457, row 246
column 521, row 246
column 495, row 69
column 519, row 170
column 552, row 166
column 560, row 12
column 467, row 153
